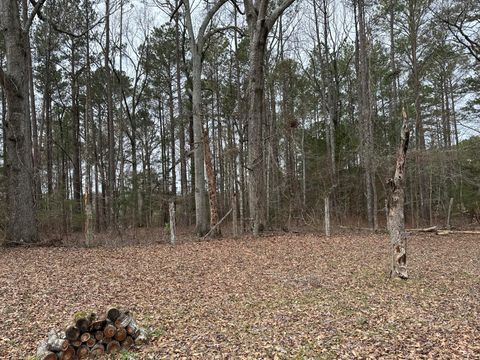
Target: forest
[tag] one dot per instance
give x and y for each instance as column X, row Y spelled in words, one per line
column 126, row 115
column 311, row 138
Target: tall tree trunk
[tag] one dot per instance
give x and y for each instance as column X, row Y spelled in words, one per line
column 48, row 117
column 393, row 65
column 111, row 201
column 256, row 119
column 33, row 116
column 181, row 120
column 88, row 116
column 21, row 222
column 196, row 48
column 260, row 22
column 77, row 176
column 395, row 205
column 96, row 167
column 172, row 137
column 212, row 186
column 365, row 113
column 201, row 214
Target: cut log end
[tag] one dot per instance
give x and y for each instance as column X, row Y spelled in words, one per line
column 99, row 335
column 109, row 331
column 127, row 343
column 68, row 354
column 113, row 314
column 83, row 352
column 43, row 353
column 83, row 324
column 91, row 342
column 85, row 337
column 56, row 343
column 98, row 324
column 123, row 320
column 72, row 333
column 121, row 334
column 98, row 350
column 113, row 347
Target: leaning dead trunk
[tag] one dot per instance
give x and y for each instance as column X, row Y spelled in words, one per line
column 395, row 205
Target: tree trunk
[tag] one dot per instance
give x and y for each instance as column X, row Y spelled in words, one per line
column 260, row 22
column 172, row 223
column 212, row 186
column 196, row 49
column 395, row 205
column 181, row 120
column 201, row 214
column 21, row 222
column 365, row 113
column 256, row 119
column 110, row 128
column 327, row 217
column 77, row 173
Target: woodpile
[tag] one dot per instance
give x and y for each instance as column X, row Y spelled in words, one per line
column 92, row 336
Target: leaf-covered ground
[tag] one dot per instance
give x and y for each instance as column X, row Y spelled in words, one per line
column 289, row 296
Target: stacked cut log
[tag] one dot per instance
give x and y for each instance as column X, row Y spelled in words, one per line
column 93, row 336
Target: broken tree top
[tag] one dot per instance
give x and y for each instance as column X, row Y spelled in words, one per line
column 92, row 335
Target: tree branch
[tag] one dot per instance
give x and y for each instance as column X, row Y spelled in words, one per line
column 208, row 18
column 62, row 31
column 234, row 3
column 277, row 13
column 222, row 29
column 35, row 11
column 174, row 12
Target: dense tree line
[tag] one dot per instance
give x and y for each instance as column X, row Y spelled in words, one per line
column 269, row 107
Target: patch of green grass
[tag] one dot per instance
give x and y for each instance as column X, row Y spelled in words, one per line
column 154, row 333
column 79, row 315
column 300, row 354
column 127, row 355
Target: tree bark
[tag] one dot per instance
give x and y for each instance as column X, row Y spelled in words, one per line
column 395, row 206
column 172, row 223
column 21, row 222
column 259, row 23
column 196, row 48
column 181, row 120
column 201, row 214
column 365, row 113
column 327, row 217
column 212, row 186
column 110, row 127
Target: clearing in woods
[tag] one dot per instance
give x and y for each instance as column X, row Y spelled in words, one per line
column 287, row 296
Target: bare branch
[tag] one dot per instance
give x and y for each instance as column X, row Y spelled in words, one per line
column 278, row 12
column 175, row 11
column 54, row 26
column 208, row 18
column 222, row 30
column 35, row 11
column 234, row 3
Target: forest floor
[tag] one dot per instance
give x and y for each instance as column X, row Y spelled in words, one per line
column 283, row 296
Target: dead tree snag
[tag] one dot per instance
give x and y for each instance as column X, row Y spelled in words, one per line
column 395, row 207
